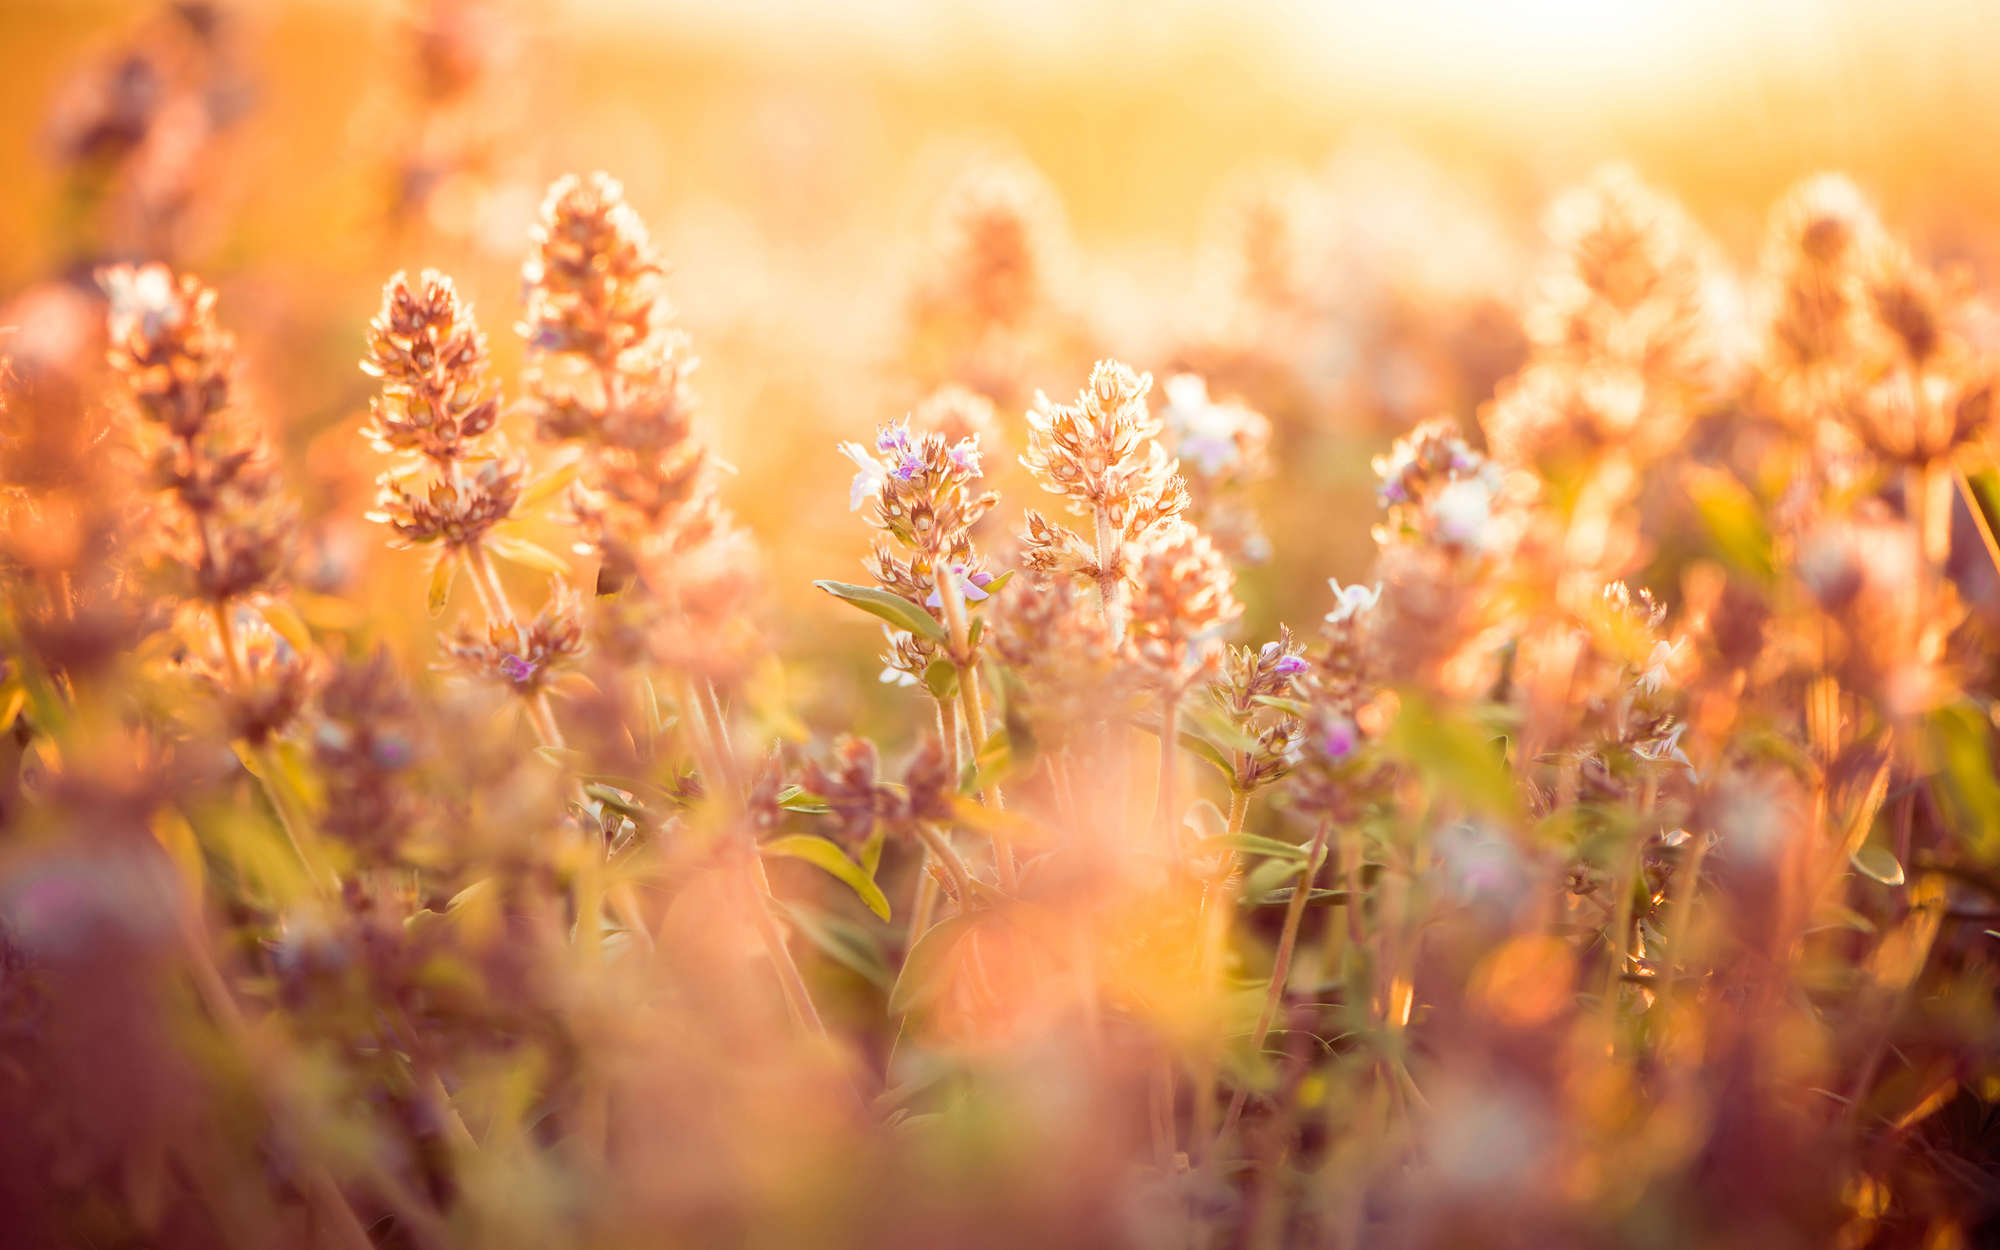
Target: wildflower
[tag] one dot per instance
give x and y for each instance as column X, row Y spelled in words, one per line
column 1217, row 438
column 1462, row 510
column 230, row 531
column 1285, row 664
column 1183, row 597
column 1101, row 454
column 869, row 476
column 437, row 398
column 971, row 584
column 1339, row 737
column 1659, row 664
column 926, row 506
column 1351, row 602
column 525, row 657
column 609, row 374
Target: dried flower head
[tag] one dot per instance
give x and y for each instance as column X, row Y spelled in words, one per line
column 230, row 528
column 1183, row 599
column 525, row 658
column 365, row 745
column 437, row 397
column 1627, row 285
column 1258, row 693
column 438, row 411
column 1052, row 635
column 260, row 681
column 1102, row 455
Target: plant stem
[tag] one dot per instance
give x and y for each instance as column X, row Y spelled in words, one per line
column 924, row 907
column 1213, row 924
column 717, row 761
column 948, row 859
column 293, row 822
column 1281, row 969
column 967, row 664
column 1163, row 796
column 1110, row 583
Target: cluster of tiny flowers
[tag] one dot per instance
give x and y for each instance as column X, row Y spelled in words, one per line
column 1258, row 692
column 1102, row 456
column 226, row 531
column 230, row 524
column 524, row 657
column 455, row 478
column 1342, row 677
column 1436, row 487
column 1222, row 447
column 926, row 501
column 609, row 374
column 362, row 744
column 1183, row 597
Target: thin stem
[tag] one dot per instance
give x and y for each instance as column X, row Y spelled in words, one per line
column 1682, row 918
column 1163, row 797
column 712, row 750
column 1110, row 584
column 960, row 633
column 493, row 601
column 924, row 907
column 1213, row 924
column 948, row 859
column 1281, row 970
column 293, row 822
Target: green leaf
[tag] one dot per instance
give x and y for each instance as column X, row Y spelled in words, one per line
column 1877, row 862
column 1268, row 876
column 1453, row 754
column 797, row 799
column 1199, row 746
column 547, row 486
column 1734, row 521
column 617, row 802
column 1962, row 737
column 894, row 609
column 1256, row 844
column 1318, row 896
column 287, row 624
column 941, row 679
column 827, row 857
column 443, row 573
column 922, row 977
column 991, row 763
column 845, row 943
column 529, row 555
column 1294, row 707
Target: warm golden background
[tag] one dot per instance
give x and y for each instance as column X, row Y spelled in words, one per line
column 792, row 157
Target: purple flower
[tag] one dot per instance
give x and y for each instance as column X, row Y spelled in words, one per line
column 911, row 465
column 1281, row 664
column 391, row 753
column 972, row 586
column 517, row 670
column 869, row 476
column 1340, row 739
column 894, row 440
column 965, row 454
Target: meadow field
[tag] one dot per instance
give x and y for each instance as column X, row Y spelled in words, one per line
column 640, row 623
